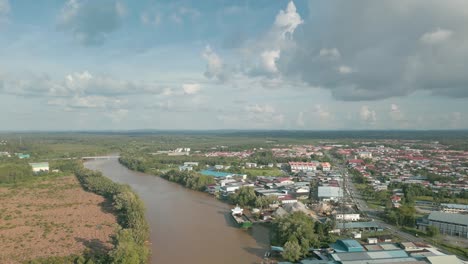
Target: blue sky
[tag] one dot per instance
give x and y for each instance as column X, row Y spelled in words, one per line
column 78, row 65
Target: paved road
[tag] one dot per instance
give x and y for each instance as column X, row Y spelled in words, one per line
column 355, row 197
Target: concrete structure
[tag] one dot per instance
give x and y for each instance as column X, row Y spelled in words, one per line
column 447, row 223
column 347, row 217
column 185, row 168
column 303, row 166
column 329, row 193
column 40, row 167
column 454, row 208
column 191, row 163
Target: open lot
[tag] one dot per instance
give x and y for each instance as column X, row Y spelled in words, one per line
column 52, row 217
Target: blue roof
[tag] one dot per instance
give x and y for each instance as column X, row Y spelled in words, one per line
column 215, row 173
column 347, row 245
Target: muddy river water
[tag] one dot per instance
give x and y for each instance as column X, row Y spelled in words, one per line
column 188, row 226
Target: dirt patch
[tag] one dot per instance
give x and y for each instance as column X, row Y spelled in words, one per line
column 53, row 218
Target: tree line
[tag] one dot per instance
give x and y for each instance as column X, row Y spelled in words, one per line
column 130, row 242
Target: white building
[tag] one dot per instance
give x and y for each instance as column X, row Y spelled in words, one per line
column 303, row 166
column 365, row 155
column 348, row 217
column 191, row 163
column 40, row 167
column 329, row 193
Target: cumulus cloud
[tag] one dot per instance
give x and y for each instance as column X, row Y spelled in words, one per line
column 182, row 13
column 268, row 60
column 287, row 21
column 332, row 54
column 215, row 67
column 91, row 22
column 149, row 19
column 4, row 11
column 323, row 114
column 367, row 115
column 191, row 88
column 395, row 113
column 96, row 102
column 77, row 83
column 300, row 119
column 259, row 109
column 4, row 7
column 343, row 69
column 387, row 58
column 437, row 36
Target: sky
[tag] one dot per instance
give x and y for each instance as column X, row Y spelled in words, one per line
column 233, row 64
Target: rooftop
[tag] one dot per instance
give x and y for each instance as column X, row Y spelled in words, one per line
column 449, row 218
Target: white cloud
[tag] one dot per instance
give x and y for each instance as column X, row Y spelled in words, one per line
column 96, row 102
column 191, row 88
column 91, row 22
column 323, row 114
column 214, row 68
column 268, row 60
column 182, row 13
column 287, row 21
column 332, row 54
column 117, row 116
column 395, row 113
column 300, row 119
column 77, row 83
column 437, row 36
column 368, row 115
column 4, row 8
column 150, row 19
column 343, row 69
column 260, row 109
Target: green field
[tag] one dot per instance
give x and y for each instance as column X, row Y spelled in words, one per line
column 264, row 172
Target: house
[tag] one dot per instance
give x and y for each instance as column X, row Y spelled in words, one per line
column 40, row 167
column 219, row 167
column 325, row 166
column 22, row 156
column 191, row 163
column 304, row 166
column 185, row 168
column 355, row 162
column 454, row 208
column 372, row 240
column 250, row 165
column 284, row 181
column 365, row 155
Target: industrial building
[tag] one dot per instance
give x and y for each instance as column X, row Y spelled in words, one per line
column 447, row 223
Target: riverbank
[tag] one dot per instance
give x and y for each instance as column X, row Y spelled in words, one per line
column 179, row 217
column 52, row 217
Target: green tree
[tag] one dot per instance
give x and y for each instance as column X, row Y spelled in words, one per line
column 432, row 231
column 292, row 251
column 245, row 196
column 296, row 226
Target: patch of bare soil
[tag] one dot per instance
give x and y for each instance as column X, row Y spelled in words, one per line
column 53, row 218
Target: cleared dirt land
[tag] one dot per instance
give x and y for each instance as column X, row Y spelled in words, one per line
column 53, row 217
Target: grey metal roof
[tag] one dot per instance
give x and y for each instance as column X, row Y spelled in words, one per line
column 329, row 191
column 458, row 219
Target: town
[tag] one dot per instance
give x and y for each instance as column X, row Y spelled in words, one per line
column 395, row 200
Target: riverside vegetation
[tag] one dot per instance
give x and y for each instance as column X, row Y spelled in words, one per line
column 129, row 244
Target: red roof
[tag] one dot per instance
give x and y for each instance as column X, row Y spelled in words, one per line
column 356, row 161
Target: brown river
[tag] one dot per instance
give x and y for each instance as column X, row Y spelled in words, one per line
column 188, row 226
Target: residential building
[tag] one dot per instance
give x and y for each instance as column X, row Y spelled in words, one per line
column 40, row 167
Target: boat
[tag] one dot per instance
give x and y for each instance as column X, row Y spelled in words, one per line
column 242, row 220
